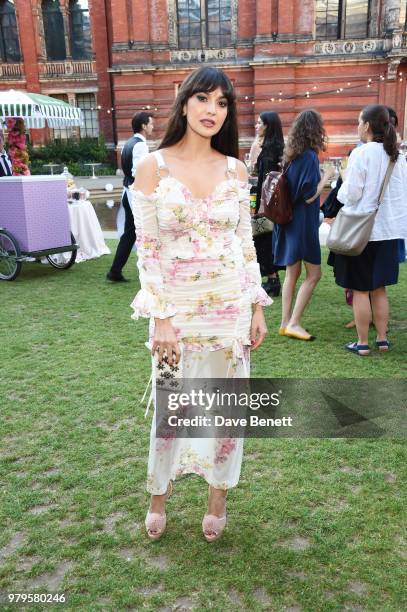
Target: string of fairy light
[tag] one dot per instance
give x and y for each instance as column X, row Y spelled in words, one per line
column 280, row 96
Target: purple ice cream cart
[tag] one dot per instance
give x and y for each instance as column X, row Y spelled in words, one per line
column 34, row 222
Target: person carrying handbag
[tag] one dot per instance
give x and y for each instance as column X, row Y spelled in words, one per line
column 375, row 182
column 269, row 132
column 298, row 240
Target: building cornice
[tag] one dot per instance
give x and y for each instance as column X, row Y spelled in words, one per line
column 312, row 60
column 260, row 39
column 392, row 49
column 126, row 69
column 49, row 91
column 257, row 63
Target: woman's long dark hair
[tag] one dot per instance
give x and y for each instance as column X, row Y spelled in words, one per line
column 393, row 116
column 307, row 132
column 382, row 128
column 273, row 139
column 205, row 80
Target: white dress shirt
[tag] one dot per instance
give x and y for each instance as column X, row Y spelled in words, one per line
column 140, row 150
column 360, row 190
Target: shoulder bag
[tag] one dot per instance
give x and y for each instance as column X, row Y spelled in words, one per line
column 276, row 203
column 350, row 233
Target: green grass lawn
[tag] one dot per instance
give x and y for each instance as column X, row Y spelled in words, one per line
column 314, row 524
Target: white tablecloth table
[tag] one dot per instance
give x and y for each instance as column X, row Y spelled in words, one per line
column 86, row 228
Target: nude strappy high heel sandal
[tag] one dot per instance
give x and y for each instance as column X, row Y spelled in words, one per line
column 213, row 526
column 155, row 522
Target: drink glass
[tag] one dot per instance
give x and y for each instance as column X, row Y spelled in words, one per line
column 248, row 162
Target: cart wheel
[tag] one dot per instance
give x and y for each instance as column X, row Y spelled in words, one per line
column 9, row 253
column 63, row 261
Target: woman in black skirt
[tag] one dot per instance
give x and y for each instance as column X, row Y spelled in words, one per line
column 270, row 133
column 369, row 273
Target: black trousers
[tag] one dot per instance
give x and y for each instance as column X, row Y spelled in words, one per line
column 263, row 244
column 126, row 241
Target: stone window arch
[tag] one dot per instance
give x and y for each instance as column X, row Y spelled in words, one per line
column 9, row 40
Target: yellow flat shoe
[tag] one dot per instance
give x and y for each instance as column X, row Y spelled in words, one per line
column 298, row 336
column 281, row 331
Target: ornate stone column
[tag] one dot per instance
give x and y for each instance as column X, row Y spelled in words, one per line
column 64, row 4
column 374, row 19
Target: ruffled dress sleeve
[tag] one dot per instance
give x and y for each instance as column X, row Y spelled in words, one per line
column 151, row 300
column 244, row 233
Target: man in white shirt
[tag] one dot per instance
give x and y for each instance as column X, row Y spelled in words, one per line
column 6, row 167
column 134, row 150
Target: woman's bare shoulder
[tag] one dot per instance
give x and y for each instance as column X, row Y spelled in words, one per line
column 147, row 164
column 146, row 179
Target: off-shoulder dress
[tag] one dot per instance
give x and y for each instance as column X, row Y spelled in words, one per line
column 197, row 264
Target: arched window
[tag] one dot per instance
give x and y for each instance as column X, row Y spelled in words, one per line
column 9, row 43
column 342, row 19
column 204, row 23
column 81, row 41
column 53, row 30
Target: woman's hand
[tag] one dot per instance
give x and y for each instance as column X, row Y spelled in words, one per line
column 258, row 328
column 329, row 174
column 165, row 341
column 325, row 178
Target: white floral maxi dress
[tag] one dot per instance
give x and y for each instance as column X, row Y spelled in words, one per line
column 197, row 264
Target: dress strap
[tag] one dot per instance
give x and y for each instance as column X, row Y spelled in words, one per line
column 161, row 165
column 231, row 171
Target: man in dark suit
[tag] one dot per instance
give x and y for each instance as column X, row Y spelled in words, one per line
column 6, row 167
column 134, row 150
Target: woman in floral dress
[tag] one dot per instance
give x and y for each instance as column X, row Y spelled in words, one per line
column 200, row 281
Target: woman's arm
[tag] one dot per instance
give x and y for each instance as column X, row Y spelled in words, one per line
column 326, row 177
column 259, row 297
column 151, row 300
column 260, row 179
column 254, row 153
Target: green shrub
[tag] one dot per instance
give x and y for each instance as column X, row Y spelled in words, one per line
column 74, row 154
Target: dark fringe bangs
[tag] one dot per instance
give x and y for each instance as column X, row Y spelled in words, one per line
column 207, row 81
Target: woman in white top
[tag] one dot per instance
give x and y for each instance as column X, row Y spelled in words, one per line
column 369, row 273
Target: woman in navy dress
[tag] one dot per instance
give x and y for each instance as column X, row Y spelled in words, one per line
column 298, row 241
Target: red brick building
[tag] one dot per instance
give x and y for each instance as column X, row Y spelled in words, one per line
column 114, row 57
column 59, row 48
